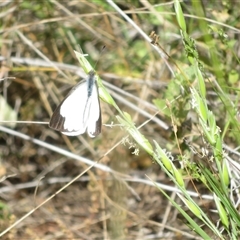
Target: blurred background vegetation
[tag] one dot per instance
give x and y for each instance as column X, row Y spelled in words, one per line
column 38, row 67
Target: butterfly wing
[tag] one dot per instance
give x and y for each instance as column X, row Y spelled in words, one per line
column 71, row 116
column 80, row 110
column 94, row 122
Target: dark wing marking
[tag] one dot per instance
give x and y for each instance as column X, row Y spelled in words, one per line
column 57, row 121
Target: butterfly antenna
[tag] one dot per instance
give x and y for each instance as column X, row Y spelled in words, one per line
column 99, row 56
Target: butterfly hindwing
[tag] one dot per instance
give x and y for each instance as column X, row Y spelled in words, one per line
column 95, row 119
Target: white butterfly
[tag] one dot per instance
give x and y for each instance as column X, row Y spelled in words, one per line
column 80, row 110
